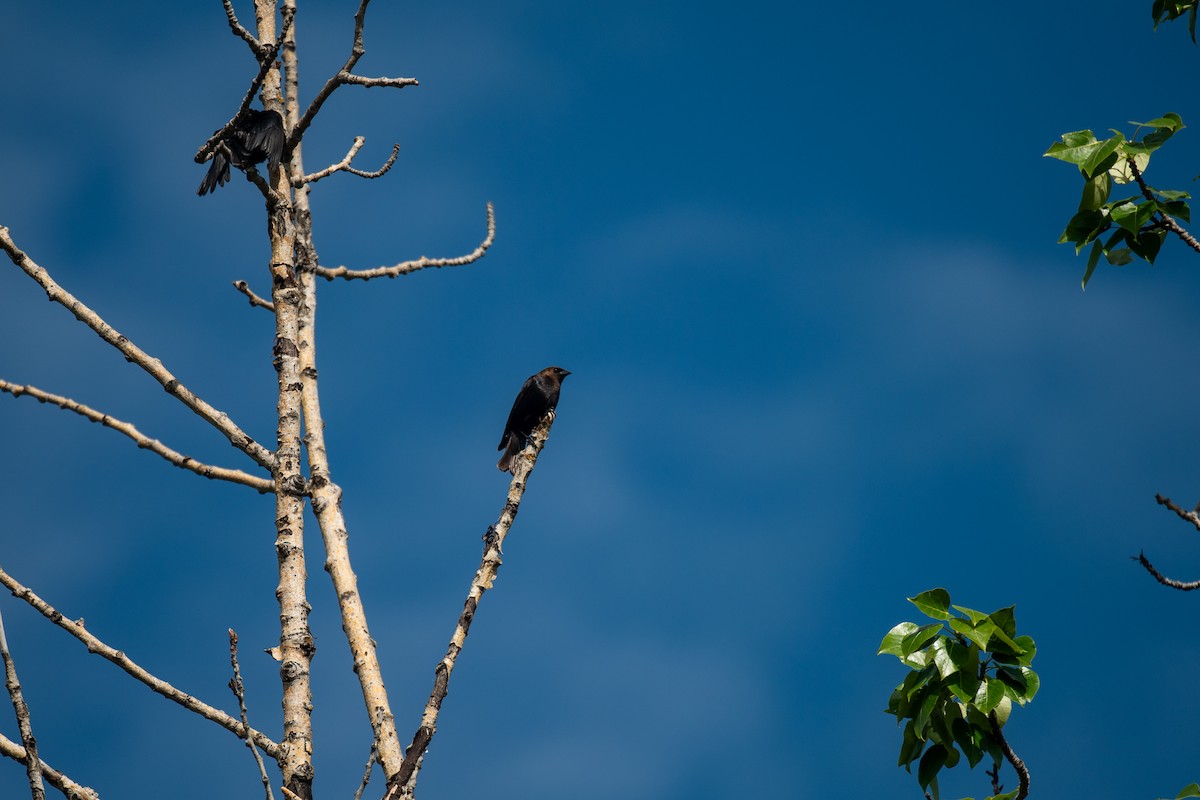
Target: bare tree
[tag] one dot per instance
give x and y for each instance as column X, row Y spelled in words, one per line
column 297, row 470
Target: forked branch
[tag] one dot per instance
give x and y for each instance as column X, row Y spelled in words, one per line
column 263, row 485
column 344, row 164
column 344, row 76
column 405, row 267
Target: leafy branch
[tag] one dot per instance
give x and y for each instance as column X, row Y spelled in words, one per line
column 1139, row 223
column 967, row 669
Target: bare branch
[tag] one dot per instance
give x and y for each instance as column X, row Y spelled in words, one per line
column 218, row 419
column 123, row 661
column 344, row 76
column 70, row 788
column 1188, row 516
column 1163, row 579
column 239, row 31
column 327, row 506
column 255, row 300
column 485, row 576
column 239, row 691
column 405, row 267
column 366, row 774
column 266, row 60
column 1017, row 763
column 337, row 167
column 263, row 485
column 1168, row 221
column 394, row 83
column 344, row 164
column 33, row 764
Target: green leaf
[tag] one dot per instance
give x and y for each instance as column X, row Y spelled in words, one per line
column 1093, row 260
column 1191, row 790
column 990, row 693
column 1131, row 215
column 1028, row 649
column 921, row 720
column 1171, row 121
column 1006, row 620
column 933, row 603
column 1120, row 170
column 1084, row 227
column 1013, row 678
column 1032, row 684
column 964, row 685
column 1002, row 710
column 978, row 636
column 1171, row 194
column 942, row 658
column 1095, row 192
column 967, row 739
column 910, row 746
column 933, row 760
column 1006, row 796
column 918, row 638
column 891, row 642
column 1103, row 157
column 1148, row 243
column 1179, row 209
column 972, row 614
column 1119, row 258
column 1075, row 148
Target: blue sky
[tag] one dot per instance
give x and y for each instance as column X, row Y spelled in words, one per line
column 826, row 354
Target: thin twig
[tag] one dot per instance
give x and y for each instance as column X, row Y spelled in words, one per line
column 344, row 76
column 1188, row 516
column 366, row 774
column 394, row 83
column 70, row 788
column 266, row 59
column 255, row 300
column 218, row 419
column 485, row 576
column 994, row 774
column 263, row 485
column 1017, row 763
column 344, row 164
column 1167, row 220
column 123, row 661
column 239, row 691
column 1183, row 586
column 33, row 764
column 405, row 267
column 240, row 31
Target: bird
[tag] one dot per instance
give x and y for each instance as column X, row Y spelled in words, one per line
column 257, row 137
column 537, row 398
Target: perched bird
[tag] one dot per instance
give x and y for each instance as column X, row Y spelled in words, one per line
column 256, row 138
column 537, row 398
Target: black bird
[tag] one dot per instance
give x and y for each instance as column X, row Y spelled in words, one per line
column 256, row 138
column 537, row 398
